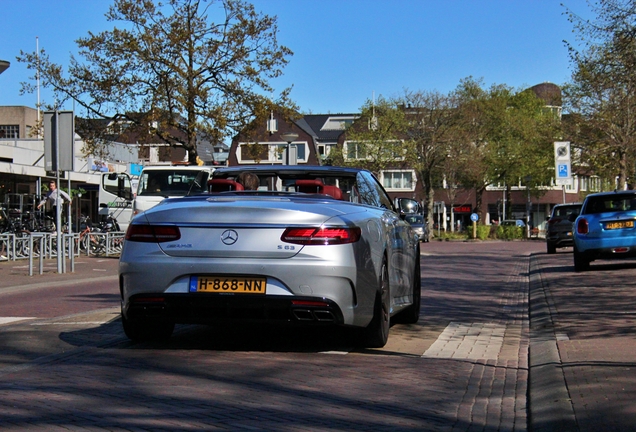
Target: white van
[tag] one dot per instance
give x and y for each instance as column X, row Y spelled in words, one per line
column 159, row 182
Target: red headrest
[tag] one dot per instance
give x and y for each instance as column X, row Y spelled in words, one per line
column 221, row 185
column 309, row 186
column 334, row 191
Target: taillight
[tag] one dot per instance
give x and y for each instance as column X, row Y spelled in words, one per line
column 152, row 233
column 582, row 227
column 553, row 221
column 321, row 236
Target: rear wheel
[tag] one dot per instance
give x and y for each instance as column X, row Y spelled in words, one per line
column 411, row 314
column 140, row 330
column 376, row 334
column 581, row 262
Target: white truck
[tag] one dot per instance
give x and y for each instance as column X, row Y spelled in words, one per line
column 117, row 195
column 159, row 182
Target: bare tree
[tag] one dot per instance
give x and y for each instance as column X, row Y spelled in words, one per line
column 602, row 93
column 431, row 132
column 176, row 71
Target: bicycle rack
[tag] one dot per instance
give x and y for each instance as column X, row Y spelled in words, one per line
column 40, row 237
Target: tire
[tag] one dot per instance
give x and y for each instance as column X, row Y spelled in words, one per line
column 411, row 314
column 581, row 262
column 376, row 334
column 551, row 248
column 140, row 330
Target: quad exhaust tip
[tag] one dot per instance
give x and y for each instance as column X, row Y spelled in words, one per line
column 313, row 315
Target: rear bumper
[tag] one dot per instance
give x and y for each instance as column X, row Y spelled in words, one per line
column 214, row 308
column 610, row 253
column 560, row 239
column 561, row 242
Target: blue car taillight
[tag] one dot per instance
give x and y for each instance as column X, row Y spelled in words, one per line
column 582, row 226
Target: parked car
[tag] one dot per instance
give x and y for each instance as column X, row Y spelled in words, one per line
column 558, row 233
column 419, row 225
column 314, row 245
column 513, row 222
column 605, row 228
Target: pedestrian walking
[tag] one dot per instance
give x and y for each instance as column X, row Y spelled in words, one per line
column 53, row 197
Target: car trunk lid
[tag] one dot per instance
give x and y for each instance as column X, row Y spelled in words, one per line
column 241, row 227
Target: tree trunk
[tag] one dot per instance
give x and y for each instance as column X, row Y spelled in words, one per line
column 429, row 193
column 622, row 170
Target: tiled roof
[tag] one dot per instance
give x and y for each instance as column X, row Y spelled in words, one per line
column 317, row 121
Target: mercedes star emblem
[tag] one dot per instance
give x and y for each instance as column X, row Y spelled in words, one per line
column 229, row 237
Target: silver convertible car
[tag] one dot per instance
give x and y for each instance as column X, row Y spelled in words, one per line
column 307, row 245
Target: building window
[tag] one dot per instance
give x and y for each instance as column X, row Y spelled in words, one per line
column 338, row 123
column 9, row 131
column 268, row 152
column 584, row 183
column 595, row 184
column 355, row 150
column 398, row 180
column 388, row 150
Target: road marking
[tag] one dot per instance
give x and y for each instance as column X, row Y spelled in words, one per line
column 468, row 342
column 7, row 320
column 69, row 323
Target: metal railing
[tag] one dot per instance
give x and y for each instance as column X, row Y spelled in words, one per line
column 42, row 245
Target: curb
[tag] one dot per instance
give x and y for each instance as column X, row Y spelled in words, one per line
column 549, row 405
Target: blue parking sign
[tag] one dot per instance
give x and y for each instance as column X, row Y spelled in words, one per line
column 563, row 171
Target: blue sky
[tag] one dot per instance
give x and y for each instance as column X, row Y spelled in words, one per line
column 346, row 50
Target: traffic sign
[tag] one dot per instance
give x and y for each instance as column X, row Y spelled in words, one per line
column 563, row 171
column 562, row 162
column 474, row 217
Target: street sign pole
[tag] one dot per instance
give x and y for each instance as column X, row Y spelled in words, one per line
column 58, row 207
column 59, row 137
column 562, row 164
column 474, row 217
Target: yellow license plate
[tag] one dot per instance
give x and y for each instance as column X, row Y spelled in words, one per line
column 619, row 225
column 228, row 284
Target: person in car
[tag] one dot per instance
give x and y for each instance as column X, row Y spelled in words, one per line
column 248, row 180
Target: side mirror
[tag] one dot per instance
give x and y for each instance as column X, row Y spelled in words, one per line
column 407, row 205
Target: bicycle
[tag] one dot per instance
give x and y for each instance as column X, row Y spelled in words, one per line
column 94, row 239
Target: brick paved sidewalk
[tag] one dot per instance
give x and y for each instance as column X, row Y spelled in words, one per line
column 15, row 274
column 583, row 354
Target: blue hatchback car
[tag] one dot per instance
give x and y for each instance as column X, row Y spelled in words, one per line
column 605, row 228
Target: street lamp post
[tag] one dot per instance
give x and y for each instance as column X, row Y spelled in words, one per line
column 4, row 65
column 288, row 137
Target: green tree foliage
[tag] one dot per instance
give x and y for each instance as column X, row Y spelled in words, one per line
column 375, row 140
column 508, row 137
column 601, row 96
column 179, row 71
